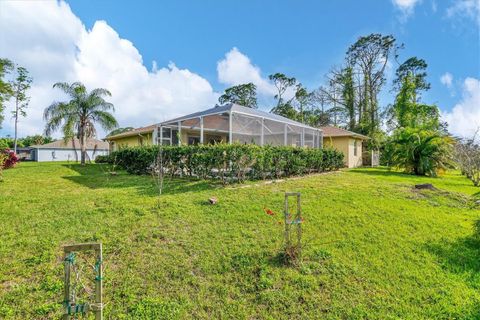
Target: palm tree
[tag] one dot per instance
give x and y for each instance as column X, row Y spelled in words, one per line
column 77, row 116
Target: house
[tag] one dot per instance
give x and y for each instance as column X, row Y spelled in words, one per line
column 348, row 142
column 69, row 151
column 230, row 123
column 136, row 137
column 24, row 153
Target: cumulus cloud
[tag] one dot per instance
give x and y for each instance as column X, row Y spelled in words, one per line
column 464, row 118
column 236, row 68
column 447, row 79
column 406, row 6
column 465, row 8
column 54, row 45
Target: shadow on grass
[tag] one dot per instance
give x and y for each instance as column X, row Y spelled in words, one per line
column 97, row 176
column 382, row 172
column 461, row 257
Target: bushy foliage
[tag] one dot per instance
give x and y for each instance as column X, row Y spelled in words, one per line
column 228, row 162
column 8, row 159
column 420, row 151
column 102, row 159
column 7, row 142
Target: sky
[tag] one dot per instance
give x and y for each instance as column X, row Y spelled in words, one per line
column 162, row 59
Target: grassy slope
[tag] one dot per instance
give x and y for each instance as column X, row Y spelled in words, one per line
column 374, row 248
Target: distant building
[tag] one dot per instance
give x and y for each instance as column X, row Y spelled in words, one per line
column 69, row 151
column 348, row 142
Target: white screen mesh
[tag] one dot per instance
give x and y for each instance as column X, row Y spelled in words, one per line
column 294, row 136
column 274, row 133
column 246, row 129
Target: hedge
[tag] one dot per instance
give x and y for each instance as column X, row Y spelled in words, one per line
column 235, row 162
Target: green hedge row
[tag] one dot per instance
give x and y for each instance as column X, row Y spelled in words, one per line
column 227, row 162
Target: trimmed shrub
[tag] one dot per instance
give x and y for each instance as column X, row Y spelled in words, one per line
column 236, row 162
column 102, row 159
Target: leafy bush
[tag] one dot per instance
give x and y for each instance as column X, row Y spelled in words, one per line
column 420, row 151
column 228, row 162
column 9, row 159
column 102, row 159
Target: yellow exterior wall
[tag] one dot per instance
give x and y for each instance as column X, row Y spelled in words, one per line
column 346, row 145
column 131, row 141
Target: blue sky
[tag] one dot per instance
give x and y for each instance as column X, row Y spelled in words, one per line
column 201, row 47
column 300, row 38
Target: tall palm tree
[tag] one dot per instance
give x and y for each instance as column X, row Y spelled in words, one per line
column 78, row 116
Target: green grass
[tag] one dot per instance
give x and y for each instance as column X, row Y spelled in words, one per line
column 374, row 248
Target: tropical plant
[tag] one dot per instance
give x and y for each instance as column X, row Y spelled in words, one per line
column 420, row 151
column 77, row 117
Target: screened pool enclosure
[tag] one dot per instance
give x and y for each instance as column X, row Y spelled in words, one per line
column 232, row 123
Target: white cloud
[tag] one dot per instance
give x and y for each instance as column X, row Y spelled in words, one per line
column 236, row 68
column 465, row 8
column 447, row 79
column 464, row 118
column 406, row 6
column 54, row 45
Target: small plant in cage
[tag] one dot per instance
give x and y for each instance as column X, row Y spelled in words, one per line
column 83, row 281
column 157, row 171
column 292, row 243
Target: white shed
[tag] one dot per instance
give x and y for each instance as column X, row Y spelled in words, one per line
column 69, row 151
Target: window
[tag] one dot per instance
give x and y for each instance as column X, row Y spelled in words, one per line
column 193, row 140
column 355, row 148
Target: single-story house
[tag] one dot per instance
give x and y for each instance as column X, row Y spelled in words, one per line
column 348, row 142
column 69, row 151
column 136, row 137
column 230, row 123
column 24, row 153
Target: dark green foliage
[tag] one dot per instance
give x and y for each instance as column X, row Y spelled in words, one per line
column 6, row 91
column 242, row 94
column 228, row 162
column 417, row 68
column 8, row 143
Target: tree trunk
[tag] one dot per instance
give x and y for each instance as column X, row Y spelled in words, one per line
column 83, row 147
column 16, row 126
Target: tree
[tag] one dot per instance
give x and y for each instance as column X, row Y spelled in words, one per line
column 412, row 67
column 467, row 156
column 6, row 66
column 418, row 144
column 302, row 98
column 408, row 112
column 317, row 115
column 282, row 83
column 243, row 94
column 369, row 56
column 77, row 117
column 20, row 86
column 34, row 140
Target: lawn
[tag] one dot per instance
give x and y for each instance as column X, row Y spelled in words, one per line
column 373, row 247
